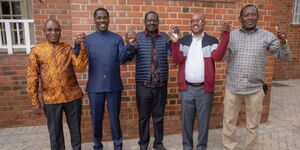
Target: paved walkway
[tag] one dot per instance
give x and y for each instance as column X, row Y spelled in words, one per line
column 281, row 132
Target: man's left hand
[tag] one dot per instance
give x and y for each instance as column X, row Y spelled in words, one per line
column 226, row 27
column 130, row 37
column 282, row 37
column 80, row 39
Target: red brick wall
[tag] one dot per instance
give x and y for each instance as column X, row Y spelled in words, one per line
column 56, row 9
column 76, row 16
column 290, row 69
column 14, row 105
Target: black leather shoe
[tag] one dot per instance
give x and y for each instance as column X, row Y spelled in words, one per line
column 143, row 148
column 160, row 147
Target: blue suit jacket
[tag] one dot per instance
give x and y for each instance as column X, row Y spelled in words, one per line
column 106, row 51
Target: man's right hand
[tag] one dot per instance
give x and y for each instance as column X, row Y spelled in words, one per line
column 38, row 109
column 80, row 39
column 281, row 34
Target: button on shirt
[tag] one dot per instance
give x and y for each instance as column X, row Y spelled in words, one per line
column 55, row 64
column 155, row 71
column 194, row 68
column 106, row 52
column 246, row 59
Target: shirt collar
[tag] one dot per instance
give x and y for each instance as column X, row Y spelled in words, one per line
column 252, row 31
column 50, row 44
column 198, row 38
column 158, row 32
column 102, row 32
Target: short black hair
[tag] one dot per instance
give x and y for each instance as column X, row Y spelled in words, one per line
column 151, row 12
column 249, row 5
column 100, row 9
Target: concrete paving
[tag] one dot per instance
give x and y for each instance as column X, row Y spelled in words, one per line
column 281, row 132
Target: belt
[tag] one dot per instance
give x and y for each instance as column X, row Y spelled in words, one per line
column 195, row 84
column 151, row 86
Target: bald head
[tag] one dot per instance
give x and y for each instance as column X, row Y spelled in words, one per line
column 52, row 31
column 197, row 24
column 198, row 15
column 52, row 21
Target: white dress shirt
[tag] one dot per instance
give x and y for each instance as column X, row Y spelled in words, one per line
column 194, row 67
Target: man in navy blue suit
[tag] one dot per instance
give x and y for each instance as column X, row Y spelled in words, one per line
column 106, row 51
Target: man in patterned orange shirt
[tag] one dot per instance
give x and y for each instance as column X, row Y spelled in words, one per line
column 54, row 63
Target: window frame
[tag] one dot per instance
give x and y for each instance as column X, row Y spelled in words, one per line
column 23, row 15
column 20, row 18
column 295, row 13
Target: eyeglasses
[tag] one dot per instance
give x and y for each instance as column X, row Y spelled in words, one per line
column 197, row 21
column 53, row 30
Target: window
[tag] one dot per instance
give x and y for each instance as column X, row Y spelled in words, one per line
column 296, row 16
column 15, row 10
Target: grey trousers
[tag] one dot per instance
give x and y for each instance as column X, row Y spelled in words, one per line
column 195, row 103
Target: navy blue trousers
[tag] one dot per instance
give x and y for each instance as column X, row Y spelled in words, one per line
column 97, row 103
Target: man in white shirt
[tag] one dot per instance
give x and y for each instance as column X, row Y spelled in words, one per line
column 195, row 54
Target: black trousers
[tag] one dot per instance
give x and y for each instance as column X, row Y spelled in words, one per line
column 151, row 101
column 53, row 113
